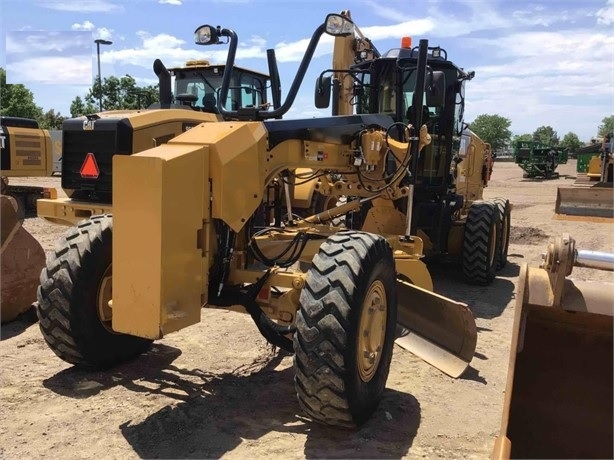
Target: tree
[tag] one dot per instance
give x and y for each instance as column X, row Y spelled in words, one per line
column 571, row 142
column 606, row 126
column 117, row 94
column 523, row 137
column 16, row 100
column 546, row 135
column 493, row 129
column 51, row 120
column 78, row 108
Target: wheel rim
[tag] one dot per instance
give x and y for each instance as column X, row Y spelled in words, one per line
column 105, row 294
column 372, row 331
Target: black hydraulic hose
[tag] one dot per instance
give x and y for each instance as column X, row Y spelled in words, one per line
column 274, row 333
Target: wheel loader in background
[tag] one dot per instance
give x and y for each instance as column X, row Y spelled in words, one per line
column 591, row 197
column 21, row 259
column 189, row 231
column 558, row 398
column 26, row 151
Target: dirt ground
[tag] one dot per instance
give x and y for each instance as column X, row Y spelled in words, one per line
column 217, row 390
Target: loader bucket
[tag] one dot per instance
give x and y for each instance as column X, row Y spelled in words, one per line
column 558, row 400
column 590, row 202
column 440, row 331
column 22, row 258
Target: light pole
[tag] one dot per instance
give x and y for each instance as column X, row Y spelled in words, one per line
column 99, row 42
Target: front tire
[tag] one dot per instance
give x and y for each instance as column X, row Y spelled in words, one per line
column 480, row 248
column 345, row 329
column 73, row 295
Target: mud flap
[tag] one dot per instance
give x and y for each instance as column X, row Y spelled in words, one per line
column 590, row 202
column 438, row 330
column 22, row 259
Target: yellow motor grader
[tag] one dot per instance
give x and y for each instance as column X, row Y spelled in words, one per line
column 190, row 230
column 89, row 142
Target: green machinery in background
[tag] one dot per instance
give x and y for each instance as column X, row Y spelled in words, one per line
column 538, row 159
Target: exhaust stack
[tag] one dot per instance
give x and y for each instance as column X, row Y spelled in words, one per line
column 164, row 79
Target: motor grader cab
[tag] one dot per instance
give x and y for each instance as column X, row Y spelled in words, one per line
column 447, row 210
column 90, row 142
column 558, row 398
column 591, row 197
column 117, row 282
column 25, row 151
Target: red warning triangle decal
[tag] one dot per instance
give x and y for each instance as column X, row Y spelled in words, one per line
column 89, row 168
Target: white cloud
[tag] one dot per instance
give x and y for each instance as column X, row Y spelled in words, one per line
column 104, row 33
column 170, row 50
column 41, row 41
column 55, row 70
column 85, row 25
column 170, row 2
column 605, row 15
column 81, row 6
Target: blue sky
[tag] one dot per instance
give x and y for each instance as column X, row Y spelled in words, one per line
column 537, row 62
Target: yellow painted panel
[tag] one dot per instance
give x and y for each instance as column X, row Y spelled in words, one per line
column 158, row 207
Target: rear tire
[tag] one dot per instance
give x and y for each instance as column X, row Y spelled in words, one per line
column 504, row 208
column 345, row 329
column 480, row 248
column 74, row 288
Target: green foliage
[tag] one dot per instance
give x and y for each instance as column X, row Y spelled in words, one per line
column 523, row 137
column 51, row 120
column 571, row 142
column 78, row 108
column 493, row 129
column 16, row 100
column 117, row 94
column 606, row 126
column 546, row 135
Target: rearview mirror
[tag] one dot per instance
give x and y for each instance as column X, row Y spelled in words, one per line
column 435, row 89
column 322, row 92
column 338, row 25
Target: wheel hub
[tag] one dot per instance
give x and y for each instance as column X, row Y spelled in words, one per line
column 372, row 331
column 105, row 294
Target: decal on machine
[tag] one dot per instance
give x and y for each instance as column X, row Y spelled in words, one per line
column 89, row 168
column 88, row 125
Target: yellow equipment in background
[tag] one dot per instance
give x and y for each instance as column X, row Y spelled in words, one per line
column 189, row 230
column 21, row 258
column 25, row 152
column 592, row 195
column 558, row 398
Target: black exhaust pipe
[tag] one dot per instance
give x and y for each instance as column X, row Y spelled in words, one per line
column 274, row 74
column 164, row 84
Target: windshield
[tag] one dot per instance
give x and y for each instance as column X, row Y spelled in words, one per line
column 246, row 89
